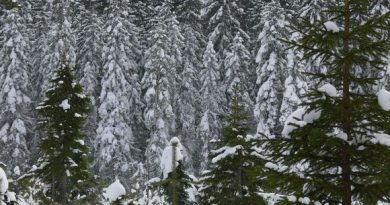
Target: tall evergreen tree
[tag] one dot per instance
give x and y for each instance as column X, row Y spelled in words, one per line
column 211, row 100
column 187, row 104
column 271, row 70
column 238, row 72
column 64, row 166
column 60, row 42
column 89, row 62
column 232, row 178
column 335, row 148
column 15, row 89
column 222, row 22
column 120, row 97
column 161, row 62
column 295, row 87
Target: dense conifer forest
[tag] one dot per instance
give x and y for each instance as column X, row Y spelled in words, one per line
column 194, row 102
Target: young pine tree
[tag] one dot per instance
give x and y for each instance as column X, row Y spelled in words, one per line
column 175, row 181
column 232, row 177
column 333, row 149
column 63, row 166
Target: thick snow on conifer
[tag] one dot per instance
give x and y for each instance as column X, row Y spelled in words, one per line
column 114, row 191
column 167, row 163
column 120, row 96
column 15, row 90
column 329, row 90
column 384, row 99
column 162, row 60
column 300, row 118
column 331, row 26
column 224, row 152
column 3, row 182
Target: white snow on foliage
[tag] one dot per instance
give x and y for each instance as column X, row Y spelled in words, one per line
column 331, row 26
column 167, row 160
column 381, row 138
column 114, row 191
column 3, row 182
column 225, row 152
column 65, row 104
column 384, row 99
column 300, row 117
column 329, row 90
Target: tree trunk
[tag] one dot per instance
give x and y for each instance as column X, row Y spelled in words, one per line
column 346, row 107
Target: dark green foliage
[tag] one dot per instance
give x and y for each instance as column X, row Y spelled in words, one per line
column 233, row 176
column 337, row 159
column 8, row 4
column 64, row 164
column 177, row 181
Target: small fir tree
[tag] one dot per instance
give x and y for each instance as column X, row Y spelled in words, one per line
column 176, row 181
column 63, row 167
column 232, row 178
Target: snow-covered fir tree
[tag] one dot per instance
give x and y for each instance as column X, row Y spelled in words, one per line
column 63, row 165
column 312, row 10
column 335, row 148
column 187, row 104
column 222, row 22
column 234, row 169
column 120, row 97
column 162, row 61
column 59, row 43
column 212, row 98
column 295, row 87
column 15, row 93
column 238, row 72
column 89, row 62
column 271, row 70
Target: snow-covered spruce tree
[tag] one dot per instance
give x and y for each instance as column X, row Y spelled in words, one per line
column 175, row 180
column 161, row 62
column 311, row 10
column 15, row 102
column 212, row 98
column 89, row 63
column 187, row 104
column 295, row 87
column 64, row 165
column 238, row 72
column 221, row 19
column 335, row 149
column 60, row 43
column 120, row 97
column 232, row 177
column 271, row 68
